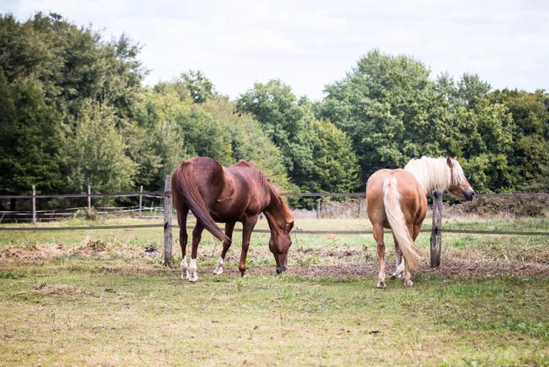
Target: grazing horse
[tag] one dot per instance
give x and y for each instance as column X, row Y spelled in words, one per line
column 228, row 194
column 397, row 199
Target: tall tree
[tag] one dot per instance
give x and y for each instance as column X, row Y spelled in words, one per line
column 96, row 153
column 292, row 127
column 30, row 138
column 390, row 109
column 530, row 151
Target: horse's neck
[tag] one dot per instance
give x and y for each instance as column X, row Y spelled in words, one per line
column 430, row 180
column 274, row 213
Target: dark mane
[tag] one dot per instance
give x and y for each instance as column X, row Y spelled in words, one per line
column 289, row 217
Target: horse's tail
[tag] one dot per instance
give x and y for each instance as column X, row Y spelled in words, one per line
column 187, row 188
column 391, row 200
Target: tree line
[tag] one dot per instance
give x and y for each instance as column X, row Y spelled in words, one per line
column 74, row 111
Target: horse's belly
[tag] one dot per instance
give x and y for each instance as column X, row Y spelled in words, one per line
column 227, row 213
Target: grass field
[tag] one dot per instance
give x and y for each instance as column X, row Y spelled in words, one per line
column 103, row 298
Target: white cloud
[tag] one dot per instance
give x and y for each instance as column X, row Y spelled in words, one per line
column 308, row 44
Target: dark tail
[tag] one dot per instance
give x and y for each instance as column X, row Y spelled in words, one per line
column 186, row 186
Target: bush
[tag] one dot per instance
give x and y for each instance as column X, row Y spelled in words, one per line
column 518, row 207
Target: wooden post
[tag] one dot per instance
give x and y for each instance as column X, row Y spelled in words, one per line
column 34, row 204
column 318, row 209
column 359, row 204
column 89, row 199
column 168, row 222
column 436, row 238
column 140, row 199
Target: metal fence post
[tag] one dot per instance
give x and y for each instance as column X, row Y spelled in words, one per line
column 140, row 199
column 168, row 221
column 33, row 204
column 436, row 238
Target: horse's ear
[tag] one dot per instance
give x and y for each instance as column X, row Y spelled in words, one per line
column 289, row 226
column 449, row 161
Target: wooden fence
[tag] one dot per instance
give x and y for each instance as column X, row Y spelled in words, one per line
column 436, row 229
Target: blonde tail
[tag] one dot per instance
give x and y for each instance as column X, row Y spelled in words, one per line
column 391, row 199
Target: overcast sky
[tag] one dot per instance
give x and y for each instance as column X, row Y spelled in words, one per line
column 311, row 43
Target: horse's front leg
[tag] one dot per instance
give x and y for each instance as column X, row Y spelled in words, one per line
column 193, row 268
column 229, row 227
column 248, row 226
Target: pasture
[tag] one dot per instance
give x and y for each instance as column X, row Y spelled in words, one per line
column 103, row 298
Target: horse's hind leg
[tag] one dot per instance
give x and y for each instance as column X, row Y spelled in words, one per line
column 229, row 227
column 414, row 232
column 183, row 238
column 399, row 267
column 377, row 231
column 193, row 268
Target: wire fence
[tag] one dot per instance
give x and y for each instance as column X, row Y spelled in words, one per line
column 155, row 212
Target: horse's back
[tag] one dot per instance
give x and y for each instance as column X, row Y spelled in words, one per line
column 409, row 191
column 252, row 184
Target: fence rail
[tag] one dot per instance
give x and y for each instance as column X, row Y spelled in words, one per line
column 297, row 231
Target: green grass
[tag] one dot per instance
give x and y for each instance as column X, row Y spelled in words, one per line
column 103, row 298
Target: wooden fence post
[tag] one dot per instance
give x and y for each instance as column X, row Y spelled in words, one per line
column 140, row 199
column 318, row 209
column 33, row 204
column 436, row 238
column 89, row 199
column 168, row 222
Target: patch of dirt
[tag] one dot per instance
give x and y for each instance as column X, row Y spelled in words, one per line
column 451, row 268
column 335, row 263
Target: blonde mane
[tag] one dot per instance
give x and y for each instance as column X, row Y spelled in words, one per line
column 435, row 173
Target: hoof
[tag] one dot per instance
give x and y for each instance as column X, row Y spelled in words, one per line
column 381, row 285
column 408, row 283
column 185, row 275
column 218, row 270
column 193, row 279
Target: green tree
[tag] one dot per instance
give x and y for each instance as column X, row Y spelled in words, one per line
column 96, row 153
column 390, row 109
column 211, row 127
column 530, row 151
column 71, row 67
column 30, row 138
column 248, row 141
column 275, row 107
column 336, row 165
column 303, row 141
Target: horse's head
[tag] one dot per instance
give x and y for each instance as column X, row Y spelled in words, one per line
column 459, row 185
column 279, row 245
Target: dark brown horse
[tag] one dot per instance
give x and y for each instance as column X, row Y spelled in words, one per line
column 228, row 195
column 397, row 199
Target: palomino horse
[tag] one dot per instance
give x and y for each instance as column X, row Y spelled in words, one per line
column 397, row 199
column 235, row 194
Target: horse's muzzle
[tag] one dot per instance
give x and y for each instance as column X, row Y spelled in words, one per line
column 469, row 194
column 281, row 269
